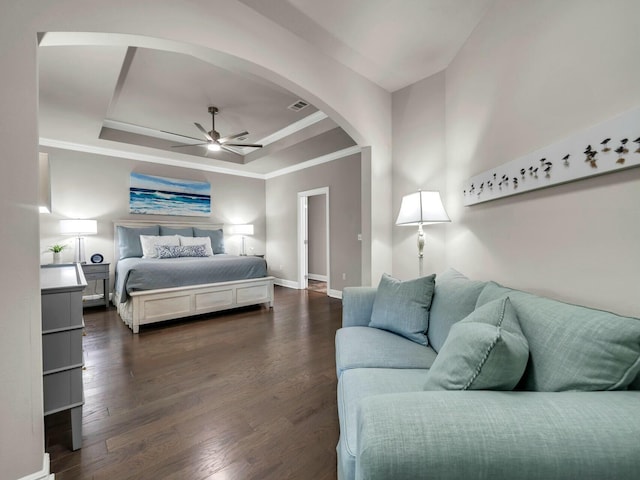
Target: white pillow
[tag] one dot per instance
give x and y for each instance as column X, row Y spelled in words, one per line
column 149, row 242
column 206, row 241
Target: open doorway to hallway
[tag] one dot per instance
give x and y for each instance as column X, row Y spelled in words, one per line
column 313, row 235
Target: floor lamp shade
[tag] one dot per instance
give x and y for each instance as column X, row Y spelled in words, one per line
column 421, row 208
column 79, row 228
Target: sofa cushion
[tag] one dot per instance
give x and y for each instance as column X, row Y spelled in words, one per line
column 485, row 351
column 355, row 385
column 454, row 298
column 365, row 347
column 572, row 347
column 403, row 307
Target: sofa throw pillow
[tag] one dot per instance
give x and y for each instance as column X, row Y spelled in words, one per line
column 177, row 251
column 485, row 351
column 403, row 307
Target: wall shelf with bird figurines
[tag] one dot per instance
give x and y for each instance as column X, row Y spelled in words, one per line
column 608, row 147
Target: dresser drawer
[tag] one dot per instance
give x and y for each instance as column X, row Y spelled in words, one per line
column 62, row 390
column 61, row 310
column 61, row 349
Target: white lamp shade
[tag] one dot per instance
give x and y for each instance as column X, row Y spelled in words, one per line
column 242, row 229
column 422, row 208
column 78, row 227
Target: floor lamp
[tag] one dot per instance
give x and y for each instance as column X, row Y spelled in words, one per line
column 79, row 228
column 421, row 208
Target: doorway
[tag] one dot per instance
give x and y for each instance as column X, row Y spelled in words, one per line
column 313, row 240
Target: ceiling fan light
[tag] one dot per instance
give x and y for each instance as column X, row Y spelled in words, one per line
column 213, row 147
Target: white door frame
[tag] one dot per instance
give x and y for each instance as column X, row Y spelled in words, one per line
column 303, row 232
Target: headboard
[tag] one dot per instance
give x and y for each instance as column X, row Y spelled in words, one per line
column 149, row 223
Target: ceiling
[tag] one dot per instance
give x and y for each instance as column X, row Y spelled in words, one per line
column 145, row 102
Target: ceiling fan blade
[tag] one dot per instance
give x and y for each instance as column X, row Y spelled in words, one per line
column 180, row 135
column 253, row 145
column 204, row 132
column 231, row 150
column 231, row 137
column 191, row 145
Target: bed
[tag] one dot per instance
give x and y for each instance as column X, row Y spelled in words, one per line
column 150, row 290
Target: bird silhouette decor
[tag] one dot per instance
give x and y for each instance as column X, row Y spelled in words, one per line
column 623, row 144
column 612, row 146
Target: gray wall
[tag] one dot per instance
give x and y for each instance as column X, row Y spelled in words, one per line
column 419, row 162
column 95, row 186
column 281, row 58
column 343, row 179
column 530, row 74
column 317, row 211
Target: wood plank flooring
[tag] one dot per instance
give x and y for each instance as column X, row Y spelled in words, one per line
column 244, row 395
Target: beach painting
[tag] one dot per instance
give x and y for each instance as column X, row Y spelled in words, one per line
column 169, row 196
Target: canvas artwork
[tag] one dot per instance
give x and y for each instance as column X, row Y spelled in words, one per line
column 168, row 196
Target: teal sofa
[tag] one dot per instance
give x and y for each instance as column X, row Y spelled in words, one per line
column 573, row 414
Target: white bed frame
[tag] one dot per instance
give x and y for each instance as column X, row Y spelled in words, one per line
column 151, row 306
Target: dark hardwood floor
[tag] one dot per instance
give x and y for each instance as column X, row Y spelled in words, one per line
column 244, row 395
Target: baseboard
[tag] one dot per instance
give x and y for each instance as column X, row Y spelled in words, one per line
column 286, row 283
column 43, row 474
column 335, row 293
column 319, row 278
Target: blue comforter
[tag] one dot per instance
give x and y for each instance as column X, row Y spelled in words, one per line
column 133, row 274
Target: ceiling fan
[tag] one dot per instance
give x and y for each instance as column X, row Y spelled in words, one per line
column 214, row 141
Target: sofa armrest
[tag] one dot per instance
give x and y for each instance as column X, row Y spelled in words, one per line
column 481, row 434
column 357, row 304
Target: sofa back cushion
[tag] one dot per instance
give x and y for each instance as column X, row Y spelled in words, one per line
column 403, row 307
column 455, row 297
column 572, row 347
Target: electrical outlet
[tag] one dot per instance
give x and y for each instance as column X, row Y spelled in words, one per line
column 359, row 237
column 344, row 276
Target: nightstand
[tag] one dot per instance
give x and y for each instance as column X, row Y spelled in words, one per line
column 97, row 271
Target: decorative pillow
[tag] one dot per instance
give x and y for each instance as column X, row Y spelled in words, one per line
column 217, row 238
column 403, row 307
column 176, row 251
column 206, row 241
column 485, row 351
column 129, row 239
column 185, row 231
column 149, row 243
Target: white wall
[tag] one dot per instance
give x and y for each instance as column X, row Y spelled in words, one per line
column 419, row 162
column 95, row 186
column 530, row 74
